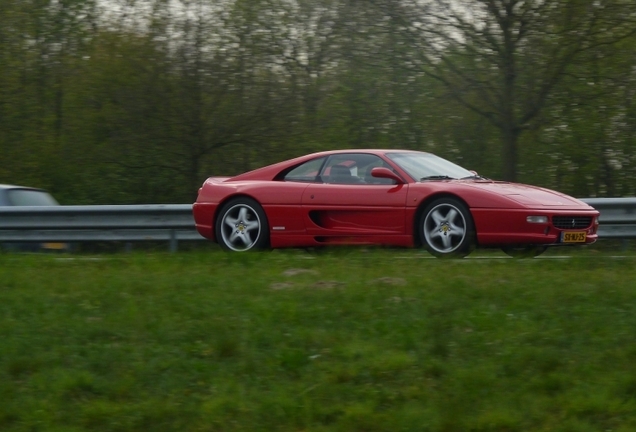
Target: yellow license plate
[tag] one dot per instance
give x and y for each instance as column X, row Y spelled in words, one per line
column 55, row 246
column 574, row 237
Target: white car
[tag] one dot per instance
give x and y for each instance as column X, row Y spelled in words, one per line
column 11, row 195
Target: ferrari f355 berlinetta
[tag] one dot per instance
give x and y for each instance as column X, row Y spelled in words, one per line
column 386, row 197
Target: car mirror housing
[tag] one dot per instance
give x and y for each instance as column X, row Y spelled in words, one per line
column 382, row 172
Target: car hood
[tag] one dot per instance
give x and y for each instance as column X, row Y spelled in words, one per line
column 531, row 196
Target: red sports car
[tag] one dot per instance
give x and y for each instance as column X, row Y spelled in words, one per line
column 386, row 197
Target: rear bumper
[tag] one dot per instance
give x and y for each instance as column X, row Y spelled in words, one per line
column 204, row 219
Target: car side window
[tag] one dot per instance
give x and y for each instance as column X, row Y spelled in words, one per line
column 30, row 197
column 306, row 172
column 353, row 168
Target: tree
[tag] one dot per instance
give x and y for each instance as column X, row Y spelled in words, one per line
column 40, row 45
column 503, row 59
column 588, row 133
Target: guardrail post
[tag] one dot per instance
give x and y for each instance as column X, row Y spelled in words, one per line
column 173, row 241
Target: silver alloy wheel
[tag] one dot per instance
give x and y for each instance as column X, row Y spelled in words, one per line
column 445, row 228
column 240, row 227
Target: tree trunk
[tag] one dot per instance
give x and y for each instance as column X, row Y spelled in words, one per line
column 510, row 137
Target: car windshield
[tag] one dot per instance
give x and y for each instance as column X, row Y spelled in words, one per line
column 427, row 166
column 30, row 197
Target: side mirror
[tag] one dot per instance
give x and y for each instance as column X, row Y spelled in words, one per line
column 382, row 172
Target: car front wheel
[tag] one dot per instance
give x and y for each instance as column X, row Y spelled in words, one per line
column 242, row 225
column 446, row 228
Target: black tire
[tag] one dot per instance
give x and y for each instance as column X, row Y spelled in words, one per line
column 446, row 228
column 241, row 226
column 530, row 251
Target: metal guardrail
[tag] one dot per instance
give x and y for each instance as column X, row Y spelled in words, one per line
column 618, row 217
column 127, row 223
column 174, row 222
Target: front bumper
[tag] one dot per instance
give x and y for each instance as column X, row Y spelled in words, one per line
column 511, row 226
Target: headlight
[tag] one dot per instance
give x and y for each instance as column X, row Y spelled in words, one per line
column 537, row 219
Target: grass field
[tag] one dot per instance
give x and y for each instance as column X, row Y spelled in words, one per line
column 351, row 340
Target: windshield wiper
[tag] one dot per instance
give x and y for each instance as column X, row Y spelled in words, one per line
column 475, row 177
column 437, row 177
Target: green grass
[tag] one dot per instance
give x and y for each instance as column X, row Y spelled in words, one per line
column 351, row 340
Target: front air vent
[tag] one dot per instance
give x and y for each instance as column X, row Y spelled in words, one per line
column 572, row 222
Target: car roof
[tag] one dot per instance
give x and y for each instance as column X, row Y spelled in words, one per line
column 362, row 150
column 8, row 186
column 270, row 171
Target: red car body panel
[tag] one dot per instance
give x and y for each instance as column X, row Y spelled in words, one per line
column 305, row 214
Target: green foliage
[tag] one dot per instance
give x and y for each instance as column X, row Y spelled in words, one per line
column 375, row 340
column 142, row 105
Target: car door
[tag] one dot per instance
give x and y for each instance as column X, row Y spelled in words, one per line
column 346, row 202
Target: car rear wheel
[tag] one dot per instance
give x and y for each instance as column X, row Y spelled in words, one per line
column 242, row 225
column 446, row 228
column 524, row 251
